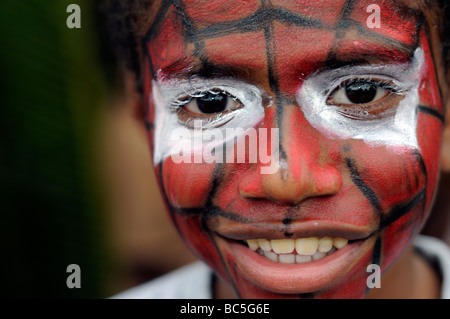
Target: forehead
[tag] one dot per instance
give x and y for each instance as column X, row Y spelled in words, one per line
column 295, row 37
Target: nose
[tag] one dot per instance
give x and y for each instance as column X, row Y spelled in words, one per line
column 306, row 167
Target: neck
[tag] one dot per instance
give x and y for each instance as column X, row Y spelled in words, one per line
column 411, row 277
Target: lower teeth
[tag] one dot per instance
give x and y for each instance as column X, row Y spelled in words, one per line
column 293, row 258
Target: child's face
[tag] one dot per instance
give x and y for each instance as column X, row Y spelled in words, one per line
column 359, row 115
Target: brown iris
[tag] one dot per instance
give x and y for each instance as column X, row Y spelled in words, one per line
column 212, row 103
column 365, row 99
column 361, row 92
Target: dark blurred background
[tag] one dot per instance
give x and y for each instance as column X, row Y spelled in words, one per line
column 76, row 180
column 76, row 184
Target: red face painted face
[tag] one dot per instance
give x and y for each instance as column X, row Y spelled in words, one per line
column 359, row 121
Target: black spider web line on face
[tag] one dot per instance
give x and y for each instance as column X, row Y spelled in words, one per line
column 190, row 32
column 422, row 164
column 343, row 25
column 156, row 25
column 401, row 210
column 266, row 15
column 159, row 19
column 368, row 193
column 273, row 77
column 396, row 212
column 431, row 111
column 219, row 171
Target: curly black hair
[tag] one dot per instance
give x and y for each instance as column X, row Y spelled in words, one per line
column 122, row 21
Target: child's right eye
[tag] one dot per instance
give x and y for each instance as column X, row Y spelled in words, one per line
column 208, row 107
column 215, row 103
column 211, row 102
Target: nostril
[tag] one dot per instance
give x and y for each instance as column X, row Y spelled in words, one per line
column 250, row 186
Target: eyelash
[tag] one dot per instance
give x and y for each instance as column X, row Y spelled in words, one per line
column 188, row 118
column 372, row 110
column 381, row 83
column 180, row 102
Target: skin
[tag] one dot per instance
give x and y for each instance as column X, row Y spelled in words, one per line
column 382, row 192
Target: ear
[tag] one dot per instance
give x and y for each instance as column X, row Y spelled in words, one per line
column 133, row 98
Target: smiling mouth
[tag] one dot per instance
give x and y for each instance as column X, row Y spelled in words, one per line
column 296, row 251
column 319, row 253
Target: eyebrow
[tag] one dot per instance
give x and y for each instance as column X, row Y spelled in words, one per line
column 369, row 53
column 192, row 67
column 381, row 48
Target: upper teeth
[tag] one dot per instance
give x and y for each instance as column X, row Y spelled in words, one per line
column 308, row 249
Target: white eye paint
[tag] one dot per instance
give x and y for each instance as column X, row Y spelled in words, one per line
column 395, row 128
column 169, row 130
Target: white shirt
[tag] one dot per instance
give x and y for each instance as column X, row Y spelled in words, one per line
column 194, row 281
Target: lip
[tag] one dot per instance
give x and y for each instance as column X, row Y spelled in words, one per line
column 303, row 229
column 304, row 277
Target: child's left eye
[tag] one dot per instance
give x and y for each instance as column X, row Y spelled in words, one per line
column 358, row 92
column 364, row 99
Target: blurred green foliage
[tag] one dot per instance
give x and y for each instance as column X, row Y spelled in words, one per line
column 52, row 89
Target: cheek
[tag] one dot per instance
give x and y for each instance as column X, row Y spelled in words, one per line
column 430, row 139
column 397, row 235
column 187, row 188
column 187, row 185
column 191, row 227
column 430, row 120
column 401, row 181
column 392, row 176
